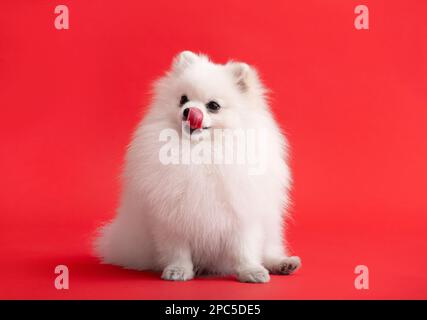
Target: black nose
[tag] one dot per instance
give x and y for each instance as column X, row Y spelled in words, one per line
column 185, row 113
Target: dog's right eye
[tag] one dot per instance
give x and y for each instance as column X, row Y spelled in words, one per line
column 183, row 100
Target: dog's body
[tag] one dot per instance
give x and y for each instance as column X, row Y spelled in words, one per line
column 186, row 218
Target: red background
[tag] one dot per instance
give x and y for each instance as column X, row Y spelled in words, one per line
column 353, row 103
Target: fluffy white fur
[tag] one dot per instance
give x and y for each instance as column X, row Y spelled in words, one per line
column 202, row 218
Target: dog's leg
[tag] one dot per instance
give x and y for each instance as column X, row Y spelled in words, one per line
column 174, row 256
column 275, row 257
column 247, row 252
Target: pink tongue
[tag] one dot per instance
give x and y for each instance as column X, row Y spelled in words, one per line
column 195, row 117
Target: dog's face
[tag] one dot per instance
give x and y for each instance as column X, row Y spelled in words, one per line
column 200, row 95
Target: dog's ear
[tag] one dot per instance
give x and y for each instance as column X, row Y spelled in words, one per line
column 183, row 60
column 244, row 75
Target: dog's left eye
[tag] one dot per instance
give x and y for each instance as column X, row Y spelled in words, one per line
column 213, row 106
column 183, row 100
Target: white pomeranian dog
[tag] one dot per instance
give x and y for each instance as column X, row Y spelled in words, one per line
column 184, row 216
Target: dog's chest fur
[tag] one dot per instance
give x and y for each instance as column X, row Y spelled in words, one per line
column 205, row 209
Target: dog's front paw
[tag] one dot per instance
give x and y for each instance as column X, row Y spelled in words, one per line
column 254, row 275
column 177, row 273
column 286, row 265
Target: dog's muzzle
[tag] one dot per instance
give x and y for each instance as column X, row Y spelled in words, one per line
column 194, row 116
